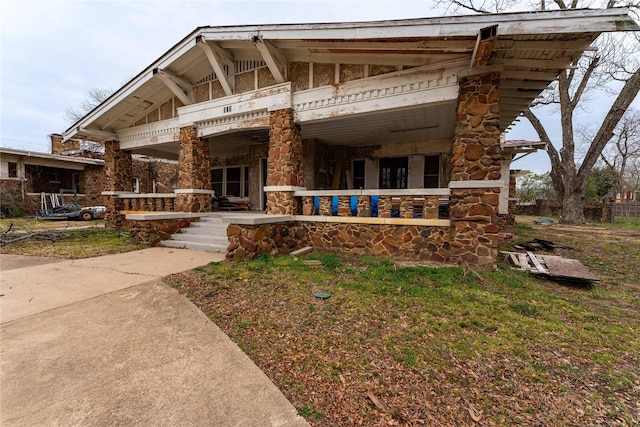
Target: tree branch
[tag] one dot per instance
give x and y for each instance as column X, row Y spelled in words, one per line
column 584, row 82
column 560, row 4
column 557, row 171
column 605, row 133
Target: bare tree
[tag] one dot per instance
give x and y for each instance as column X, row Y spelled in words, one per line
column 92, row 98
column 622, row 154
column 617, row 59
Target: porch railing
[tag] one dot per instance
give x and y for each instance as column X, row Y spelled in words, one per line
column 419, row 203
column 148, row 202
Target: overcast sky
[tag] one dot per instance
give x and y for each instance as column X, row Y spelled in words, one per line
column 53, row 51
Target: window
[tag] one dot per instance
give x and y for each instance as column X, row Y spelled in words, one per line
column 136, row 184
column 232, row 181
column 75, row 182
column 13, row 170
column 393, row 172
column 216, row 181
column 246, row 181
column 358, row 174
column 54, row 178
column 432, row 171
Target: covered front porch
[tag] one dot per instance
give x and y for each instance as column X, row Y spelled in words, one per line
column 380, row 137
column 383, row 181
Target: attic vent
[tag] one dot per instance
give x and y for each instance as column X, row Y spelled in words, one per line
column 242, row 66
column 212, row 76
column 488, row 32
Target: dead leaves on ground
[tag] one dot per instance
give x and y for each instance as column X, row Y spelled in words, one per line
column 341, row 366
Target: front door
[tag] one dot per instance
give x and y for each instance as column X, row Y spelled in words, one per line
column 394, row 172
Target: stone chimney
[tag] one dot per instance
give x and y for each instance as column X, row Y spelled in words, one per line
column 58, row 146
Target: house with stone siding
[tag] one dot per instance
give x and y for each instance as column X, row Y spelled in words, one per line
column 383, row 137
column 27, row 174
column 70, row 165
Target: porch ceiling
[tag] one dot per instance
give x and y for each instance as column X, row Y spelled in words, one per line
column 395, row 126
column 530, row 50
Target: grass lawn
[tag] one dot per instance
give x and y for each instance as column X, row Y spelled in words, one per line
column 418, row 345
column 69, row 239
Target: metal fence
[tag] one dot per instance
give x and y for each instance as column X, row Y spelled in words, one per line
column 626, row 209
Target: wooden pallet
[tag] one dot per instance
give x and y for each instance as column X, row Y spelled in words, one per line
column 555, row 267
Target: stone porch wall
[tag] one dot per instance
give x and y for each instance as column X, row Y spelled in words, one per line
column 391, row 241
column 155, row 231
column 249, row 241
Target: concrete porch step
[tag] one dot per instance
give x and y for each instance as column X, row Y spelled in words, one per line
column 209, row 235
column 208, row 227
column 196, row 246
column 217, row 239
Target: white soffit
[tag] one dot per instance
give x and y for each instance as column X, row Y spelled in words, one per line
column 532, row 48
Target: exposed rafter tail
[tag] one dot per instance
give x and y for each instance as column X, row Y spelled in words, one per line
column 275, row 60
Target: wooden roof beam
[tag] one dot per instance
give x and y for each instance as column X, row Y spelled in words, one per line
column 130, row 120
column 514, row 93
column 174, row 83
column 275, row 60
column 540, row 64
column 100, row 135
column 520, row 84
column 548, row 76
column 217, row 56
column 550, row 45
column 485, row 43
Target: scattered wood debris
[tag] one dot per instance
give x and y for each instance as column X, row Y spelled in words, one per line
column 555, row 267
column 12, row 236
column 539, row 245
column 301, row 252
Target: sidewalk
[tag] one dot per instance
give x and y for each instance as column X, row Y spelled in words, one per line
column 102, row 341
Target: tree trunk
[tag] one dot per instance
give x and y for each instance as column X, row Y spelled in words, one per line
column 573, row 206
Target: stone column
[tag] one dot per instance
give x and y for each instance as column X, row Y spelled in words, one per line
column 285, row 163
column 325, row 206
column 194, row 173
column 476, row 162
column 118, row 178
column 364, row 206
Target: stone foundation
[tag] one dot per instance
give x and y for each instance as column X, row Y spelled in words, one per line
column 155, row 231
column 249, row 241
column 475, row 226
column 391, row 241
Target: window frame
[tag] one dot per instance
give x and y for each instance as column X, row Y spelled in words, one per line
column 437, row 175
column 223, row 184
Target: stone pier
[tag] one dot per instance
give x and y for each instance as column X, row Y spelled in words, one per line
column 476, row 162
column 285, row 163
column 118, row 178
column 194, row 175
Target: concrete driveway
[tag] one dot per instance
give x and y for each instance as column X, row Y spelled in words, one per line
column 102, row 341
